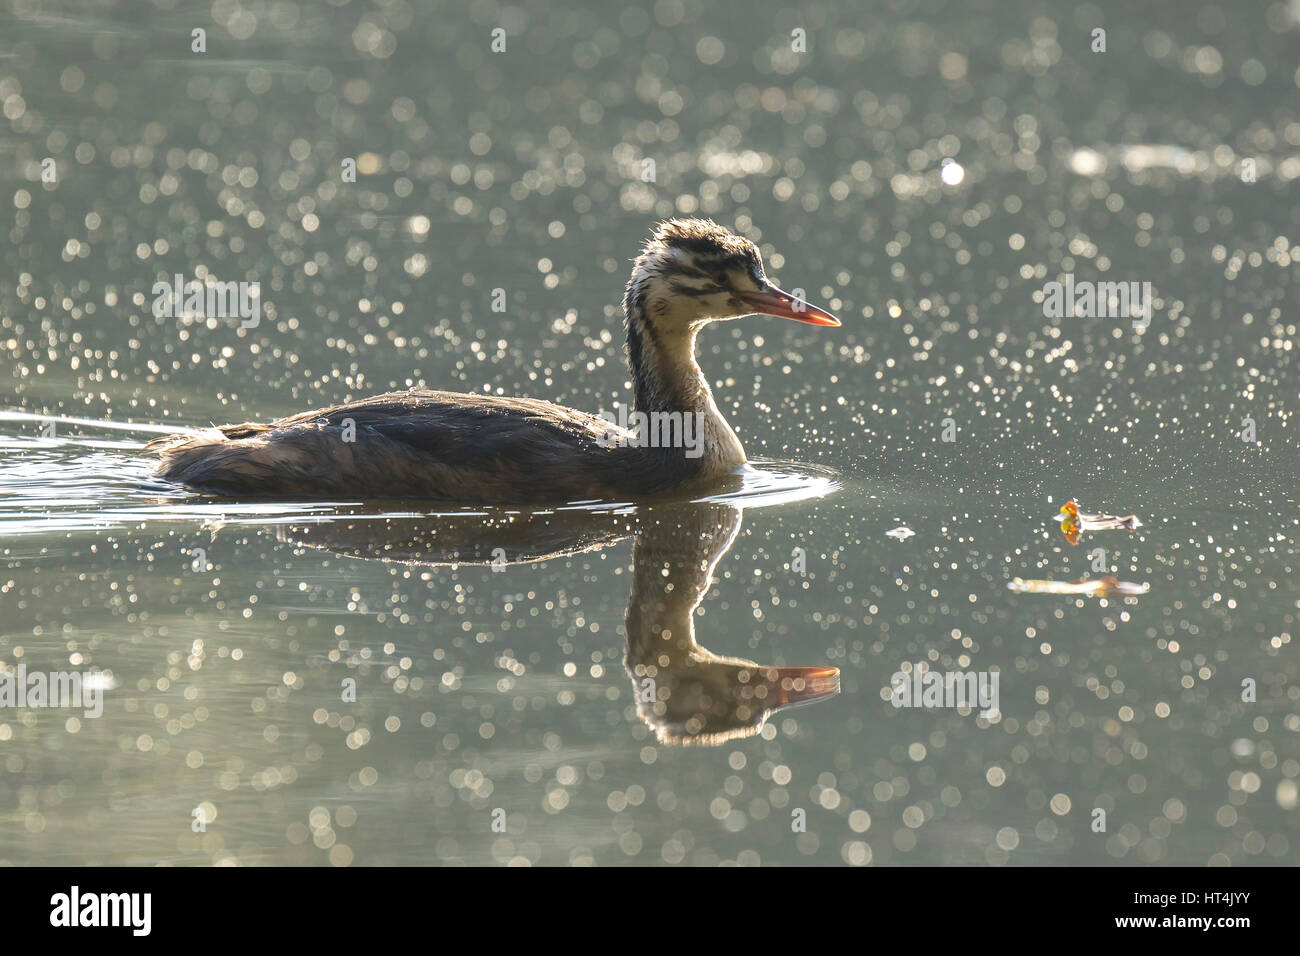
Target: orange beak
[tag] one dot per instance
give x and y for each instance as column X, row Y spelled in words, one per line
column 803, row 685
column 772, row 301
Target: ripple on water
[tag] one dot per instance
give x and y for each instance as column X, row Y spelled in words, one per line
column 85, row 482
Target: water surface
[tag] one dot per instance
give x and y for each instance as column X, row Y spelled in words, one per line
column 489, row 691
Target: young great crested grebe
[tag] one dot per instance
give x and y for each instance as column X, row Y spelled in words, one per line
column 684, row 692
column 485, row 449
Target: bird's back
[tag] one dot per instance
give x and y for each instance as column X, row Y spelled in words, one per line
column 424, row 444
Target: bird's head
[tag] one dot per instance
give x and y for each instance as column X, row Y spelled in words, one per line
column 708, row 699
column 693, row 271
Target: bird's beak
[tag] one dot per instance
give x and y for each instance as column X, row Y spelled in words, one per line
column 802, row 685
column 772, row 301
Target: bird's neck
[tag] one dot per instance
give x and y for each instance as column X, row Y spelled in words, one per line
column 667, row 379
column 673, row 560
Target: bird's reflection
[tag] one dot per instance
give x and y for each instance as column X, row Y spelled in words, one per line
column 684, row 692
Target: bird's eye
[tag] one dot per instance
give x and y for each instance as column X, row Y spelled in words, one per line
column 722, row 279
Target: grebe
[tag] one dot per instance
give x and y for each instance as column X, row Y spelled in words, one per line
column 492, row 450
column 683, row 692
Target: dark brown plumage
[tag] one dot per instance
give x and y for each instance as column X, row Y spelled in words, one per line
column 486, row 449
column 423, row 444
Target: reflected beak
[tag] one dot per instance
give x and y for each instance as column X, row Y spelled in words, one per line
column 802, row 685
column 772, row 301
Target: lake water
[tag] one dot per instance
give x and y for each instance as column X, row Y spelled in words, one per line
column 356, row 683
